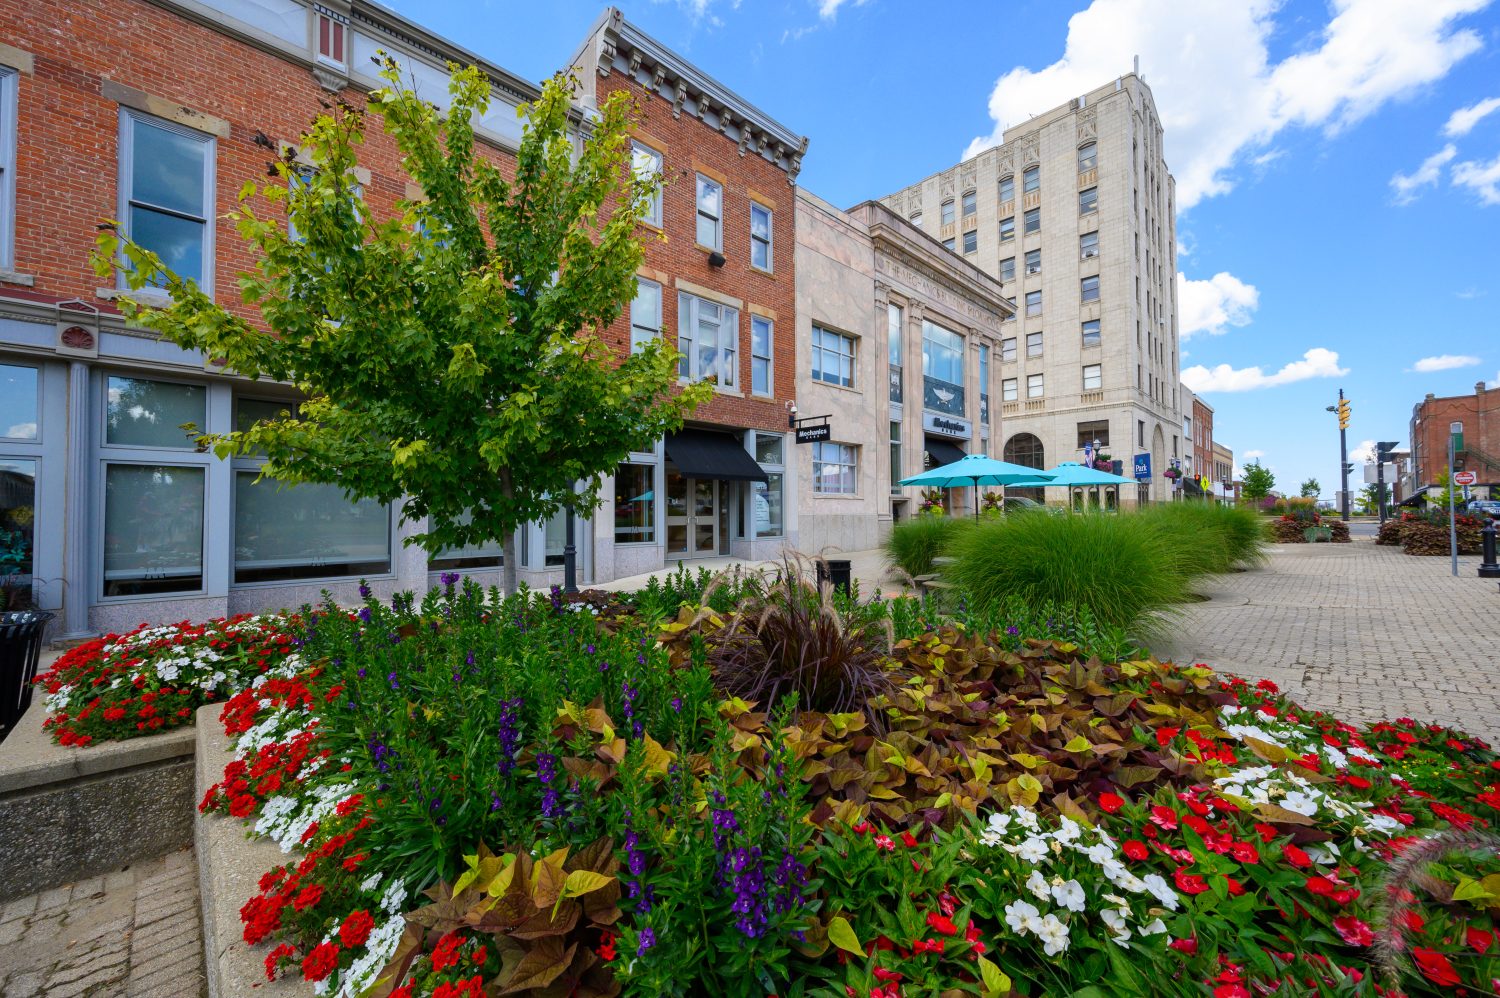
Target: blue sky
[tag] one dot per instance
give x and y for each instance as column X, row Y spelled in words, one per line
column 1336, row 216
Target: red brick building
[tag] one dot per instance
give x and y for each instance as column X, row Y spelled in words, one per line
column 1430, row 421
column 156, row 113
column 1203, row 438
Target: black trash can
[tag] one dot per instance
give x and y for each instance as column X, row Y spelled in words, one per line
column 836, row 572
column 20, row 650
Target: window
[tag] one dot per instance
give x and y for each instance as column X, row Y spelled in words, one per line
column 1033, row 303
column 947, row 212
column 141, row 413
column 916, row 219
column 1031, row 179
column 896, row 474
column 1088, row 245
column 984, row 382
column 645, row 314
column 760, row 236
column 970, row 201
column 635, row 504
column 1007, row 189
column 1033, row 344
column 153, row 529
column 1007, row 228
column 832, row 357
column 1008, row 269
column 1088, row 200
column 330, row 39
column 8, row 78
column 710, row 214
column 305, row 531
column 894, row 328
column 708, row 339
column 1092, row 379
column 480, row 554
column 18, row 402
column 1033, row 221
column 647, row 164
column 1034, row 386
column 1008, row 390
column 1008, row 350
column 761, row 332
column 1089, row 288
column 1093, row 432
column 167, row 188
column 1034, row 261
column 17, row 515
column 971, row 241
column 949, row 244
column 835, row 469
column 1091, row 333
column 1088, row 156
column 1140, row 431
column 767, row 498
column 942, row 354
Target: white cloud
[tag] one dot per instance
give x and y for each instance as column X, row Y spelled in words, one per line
column 1469, row 293
column 1495, row 383
column 1444, row 362
column 1318, row 362
column 828, row 10
column 1251, row 455
column 1364, row 453
column 1481, row 178
column 1220, row 97
column 1406, row 185
column 1209, row 306
column 1462, row 121
column 22, row 431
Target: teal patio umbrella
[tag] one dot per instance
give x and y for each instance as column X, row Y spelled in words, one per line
column 977, row 470
column 1071, row 474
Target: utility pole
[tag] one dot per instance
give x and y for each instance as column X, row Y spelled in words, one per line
column 1382, row 452
column 1343, row 410
column 1455, row 444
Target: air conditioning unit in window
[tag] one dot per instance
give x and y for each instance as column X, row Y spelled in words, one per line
column 1090, row 254
column 1034, row 270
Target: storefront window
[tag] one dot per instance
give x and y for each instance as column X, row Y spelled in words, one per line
column 17, row 516
column 305, row 531
column 635, row 504
column 143, row 413
column 768, row 448
column 18, row 408
column 767, row 502
column 153, row 529
column 556, row 538
column 487, row 554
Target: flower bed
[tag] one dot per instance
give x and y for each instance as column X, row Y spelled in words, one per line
column 154, row 678
column 1428, row 534
column 527, row 799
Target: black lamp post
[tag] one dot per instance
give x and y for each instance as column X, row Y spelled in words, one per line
column 570, row 557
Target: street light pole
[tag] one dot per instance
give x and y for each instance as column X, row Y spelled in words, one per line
column 1343, row 460
column 1455, row 433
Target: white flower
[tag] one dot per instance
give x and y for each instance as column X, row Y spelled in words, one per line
column 1000, row 822
column 1300, row 803
column 1068, row 831
column 1022, row 917
column 1037, row 884
column 1382, row 824
column 1161, row 890
column 1114, row 918
column 1154, row 927
column 1100, row 853
column 1033, row 850
column 1070, row 895
column 1053, row 934
column 1025, row 817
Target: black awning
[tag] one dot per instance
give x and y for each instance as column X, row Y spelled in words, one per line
column 706, row 454
column 1191, row 486
column 942, row 452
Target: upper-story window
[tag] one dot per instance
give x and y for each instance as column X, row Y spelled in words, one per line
column 708, row 338
column 1088, row 201
column 647, row 164
column 832, row 357
column 1008, row 269
column 947, row 215
column 1031, row 179
column 645, row 314
column 760, row 236
column 710, row 213
column 8, row 86
column 167, row 186
column 1007, row 189
column 1091, row 336
column 916, row 219
column 942, row 354
column 330, row 39
column 1088, row 156
column 18, row 402
column 762, row 332
column 1089, row 288
column 1033, row 303
column 1034, row 261
column 1092, row 378
column 971, row 241
column 971, row 201
column 1033, row 221
column 1008, row 350
column 950, row 244
column 1007, row 228
column 1088, row 245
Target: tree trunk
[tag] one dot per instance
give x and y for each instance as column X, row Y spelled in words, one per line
column 510, row 570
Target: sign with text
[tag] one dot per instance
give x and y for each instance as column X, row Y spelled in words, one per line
column 947, row 426
column 1143, row 466
column 814, row 434
column 1465, row 478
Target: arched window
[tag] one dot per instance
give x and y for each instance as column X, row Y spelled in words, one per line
column 1025, row 448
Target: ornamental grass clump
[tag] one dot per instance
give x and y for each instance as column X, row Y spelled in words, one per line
column 1114, row 565
column 1208, row 539
column 915, row 544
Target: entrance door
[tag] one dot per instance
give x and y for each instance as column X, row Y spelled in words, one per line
column 692, row 516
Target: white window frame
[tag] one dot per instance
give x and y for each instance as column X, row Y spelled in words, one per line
column 702, row 182
column 1031, row 213
column 1011, row 181
column 1030, row 270
column 826, row 454
column 969, row 204
column 726, row 340
column 1008, row 350
column 1036, row 386
column 1009, row 389
column 1039, row 344
column 1097, row 377
column 1007, row 232
column 1088, row 200
column 1086, row 251
column 971, row 241
column 1031, row 179
column 1086, row 163
column 1033, row 303
column 767, row 242
column 1098, row 332
column 767, row 358
column 128, row 116
column 946, row 216
column 843, row 348
column 641, row 332
column 1083, row 288
column 1008, row 269
column 640, row 150
column 9, row 85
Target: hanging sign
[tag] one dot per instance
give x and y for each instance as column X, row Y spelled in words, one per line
column 1143, row 466
column 814, row 434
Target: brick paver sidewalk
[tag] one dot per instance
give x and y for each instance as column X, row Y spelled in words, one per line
column 133, row 933
column 1360, row 630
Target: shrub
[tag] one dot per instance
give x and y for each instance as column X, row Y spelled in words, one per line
column 1208, row 538
column 1116, row 566
column 1390, row 530
column 1340, row 531
column 915, row 544
column 1424, row 536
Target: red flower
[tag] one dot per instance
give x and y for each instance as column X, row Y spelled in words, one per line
column 320, row 962
column 445, row 954
column 606, row 948
column 1412, row 921
column 1353, row 931
column 1244, row 852
column 1165, row 735
column 1480, row 939
column 1188, row 945
column 1336, row 891
column 885, row 842
column 307, row 897
column 1189, row 883
column 1164, row 816
column 274, row 958
column 1231, row 991
column 1435, row 966
column 908, row 839
column 1135, row 849
column 1296, row 856
column 241, row 807
column 356, row 929
column 1112, row 803
column 941, row 924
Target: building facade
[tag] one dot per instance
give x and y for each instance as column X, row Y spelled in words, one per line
column 1225, row 484
column 1075, row 214
column 901, row 338
column 1431, row 419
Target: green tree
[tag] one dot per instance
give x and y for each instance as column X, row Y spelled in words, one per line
column 1258, row 481
column 1311, row 489
column 1367, row 501
column 450, row 356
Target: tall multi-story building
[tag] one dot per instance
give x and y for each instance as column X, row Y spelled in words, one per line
column 1075, row 212
column 1431, row 419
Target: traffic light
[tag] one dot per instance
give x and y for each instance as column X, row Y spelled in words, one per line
column 1343, row 414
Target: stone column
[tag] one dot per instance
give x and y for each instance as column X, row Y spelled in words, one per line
column 77, row 579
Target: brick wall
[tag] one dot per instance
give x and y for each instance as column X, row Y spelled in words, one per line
column 1480, row 414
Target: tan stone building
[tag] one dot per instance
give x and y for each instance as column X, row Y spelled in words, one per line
column 896, row 346
column 1074, row 213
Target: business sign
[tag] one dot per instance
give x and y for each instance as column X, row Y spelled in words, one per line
column 947, row 426
column 1465, row 478
column 814, row 434
column 1143, row 467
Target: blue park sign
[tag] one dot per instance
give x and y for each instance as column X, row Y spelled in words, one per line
column 1143, row 467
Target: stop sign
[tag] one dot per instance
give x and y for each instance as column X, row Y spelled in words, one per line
column 1465, row 477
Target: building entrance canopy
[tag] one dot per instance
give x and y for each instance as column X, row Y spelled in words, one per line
column 707, row 454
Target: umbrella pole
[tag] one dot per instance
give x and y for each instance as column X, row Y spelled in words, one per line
column 976, row 500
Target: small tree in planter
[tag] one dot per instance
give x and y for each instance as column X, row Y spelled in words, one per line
column 932, row 502
column 993, row 505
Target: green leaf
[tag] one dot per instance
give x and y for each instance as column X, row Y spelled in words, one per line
column 995, row 980
column 1470, row 890
column 1077, row 744
column 581, row 882
column 842, row 935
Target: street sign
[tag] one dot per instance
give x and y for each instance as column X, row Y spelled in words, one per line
column 1143, row 467
column 1465, row 478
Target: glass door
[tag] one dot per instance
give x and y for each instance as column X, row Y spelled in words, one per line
column 677, row 514
column 705, row 517
column 692, row 516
